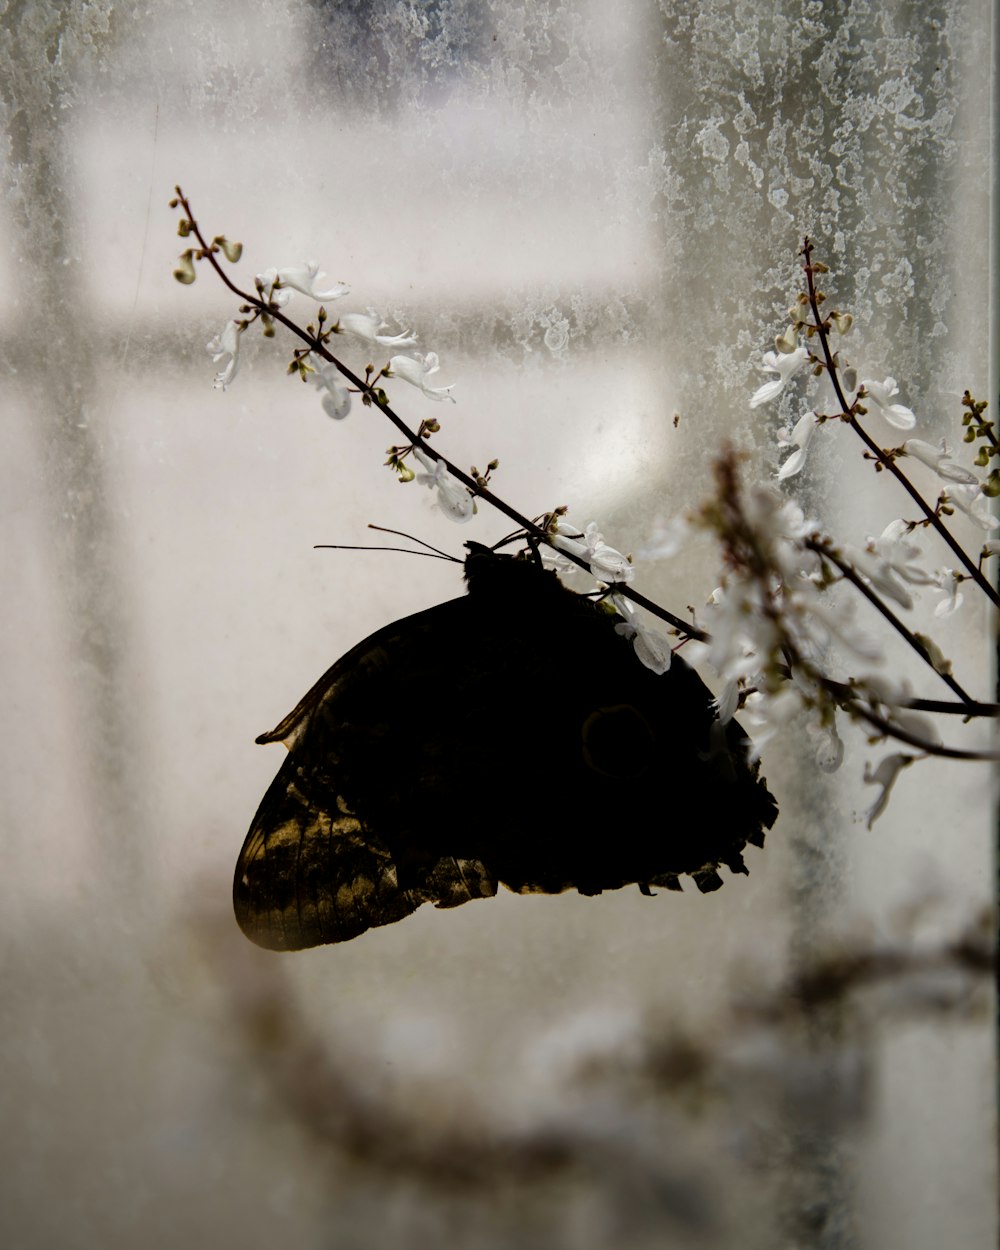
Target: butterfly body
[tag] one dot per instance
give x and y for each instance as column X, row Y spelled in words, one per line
column 507, row 737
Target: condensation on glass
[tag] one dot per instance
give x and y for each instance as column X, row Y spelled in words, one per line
column 592, row 213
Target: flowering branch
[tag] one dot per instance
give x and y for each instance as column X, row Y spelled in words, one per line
column 269, row 310
column 773, row 626
column 851, row 411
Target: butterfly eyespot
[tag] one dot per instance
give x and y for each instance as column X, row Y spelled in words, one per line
column 385, row 803
column 618, row 742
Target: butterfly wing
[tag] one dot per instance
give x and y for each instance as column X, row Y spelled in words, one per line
column 511, row 736
column 311, row 870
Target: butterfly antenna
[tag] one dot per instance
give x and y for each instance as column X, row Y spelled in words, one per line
column 431, row 553
column 410, row 538
column 516, row 536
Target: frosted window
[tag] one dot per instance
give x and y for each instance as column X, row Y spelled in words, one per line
column 591, row 212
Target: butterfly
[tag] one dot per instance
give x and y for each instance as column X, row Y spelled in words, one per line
column 509, row 737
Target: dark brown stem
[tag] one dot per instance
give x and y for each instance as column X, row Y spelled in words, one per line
column 903, row 630
column 914, row 740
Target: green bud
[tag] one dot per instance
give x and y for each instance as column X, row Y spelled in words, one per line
column 184, row 273
column 991, row 487
column 231, row 251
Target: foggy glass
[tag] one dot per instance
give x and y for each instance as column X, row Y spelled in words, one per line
column 592, row 213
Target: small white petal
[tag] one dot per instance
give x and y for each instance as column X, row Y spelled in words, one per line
column 885, row 776
column 454, row 500
column 767, row 392
column 792, row 465
column 653, row 649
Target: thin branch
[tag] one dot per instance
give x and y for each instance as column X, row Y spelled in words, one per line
column 889, row 730
column 944, row 708
column 903, row 630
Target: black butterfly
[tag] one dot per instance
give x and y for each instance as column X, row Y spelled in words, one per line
column 510, row 736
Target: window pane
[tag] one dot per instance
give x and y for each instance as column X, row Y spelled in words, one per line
column 592, row 214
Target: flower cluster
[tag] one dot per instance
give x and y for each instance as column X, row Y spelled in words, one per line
column 777, row 629
column 773, row 618
column 610, row 568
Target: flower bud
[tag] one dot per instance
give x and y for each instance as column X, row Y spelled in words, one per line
column 232, row 251
column 184, row 273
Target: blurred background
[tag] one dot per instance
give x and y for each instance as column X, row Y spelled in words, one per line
column 592, row 213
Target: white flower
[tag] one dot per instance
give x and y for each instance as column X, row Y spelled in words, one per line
column 606, row 564
column 991, row 548
column 801, row 436
column 881, row 393
column 948, row 585
column 337, row 398
column 973, row 503
column 367, row 325
column 885, row 776
column 939, row 459
column 305, row 278
column 889, row 558
column 786, row 365
column 652, row 648
column 416, row 371
column 454, row 500
column 227, row 344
